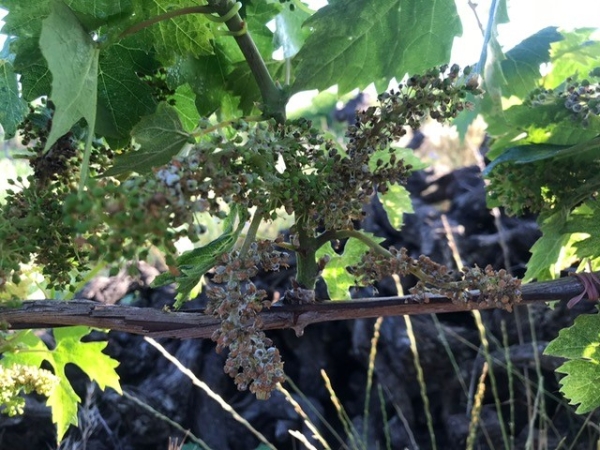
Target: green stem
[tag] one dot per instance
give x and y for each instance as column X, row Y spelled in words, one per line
column 307, row 266
column 251, row 235
column 166, row 16
column 273, row 97
column 414, row 269
column 202, row 131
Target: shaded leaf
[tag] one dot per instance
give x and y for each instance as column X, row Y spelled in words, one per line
column 194, row 264
column 521, row 68
column 122, row 97
column 12, row 107
column 206, row 77
column 185, row 105
column 544, row 263
column 161, row 136
column 73, row 60
column 182, row 35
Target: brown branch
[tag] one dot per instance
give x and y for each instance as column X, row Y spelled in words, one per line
column 195, row 324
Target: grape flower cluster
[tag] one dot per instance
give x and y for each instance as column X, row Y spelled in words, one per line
column 31, row 220
column 20, row 378
column 369, row 163
column 581, row 99
column 253, row 362
column 495, row 287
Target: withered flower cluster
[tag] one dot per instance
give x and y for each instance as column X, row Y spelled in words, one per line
column 495, row 287
column 253, row 362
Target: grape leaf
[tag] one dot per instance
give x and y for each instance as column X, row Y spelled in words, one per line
column 194, row 264
column 544, row 263
column 335, row 274
column 522, row 154
column 24, row 19
column 355, row 43
column 544, row 124
column 73, row 60
column 36, row 79
column 122, row 97
column 206, row 77
column 581, row 344
column 185, row 104
column 396, row 201
column 289, row 34
column 584, row 219
column 521, row 68
column 577, row 54
column 69, row 350
column 187, row 34
column 161, row 137
column 12, row 106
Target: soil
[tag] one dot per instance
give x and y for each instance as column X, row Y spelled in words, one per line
column 449, row 355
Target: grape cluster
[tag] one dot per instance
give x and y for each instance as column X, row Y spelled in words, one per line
column 540, row 185
column 495, row 287
column 581, row 99
column 440, row 93
column 19, row 378
column 32, row 225
column 369, row 163
column 253, row 361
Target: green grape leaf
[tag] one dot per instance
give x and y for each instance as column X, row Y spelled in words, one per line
column 161, row 137
column 289, row 34
column 36, row 79
column 69, row 350
column 182, row 35
column 576, row 55
column 396, row 201
column 545, row 124
column 73, row 60
column 544, row 263
column 122, row 97
column 185, row 105
column 24, row 19
column 523, row 154
column 584, row 220
column 355, row 43
column 521, row 68
column 12, row 107
column 580, row 343
column 206, row 77
column 194, row 264
column 335, row 274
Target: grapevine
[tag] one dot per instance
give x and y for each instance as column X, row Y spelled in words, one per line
column 175, row 116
